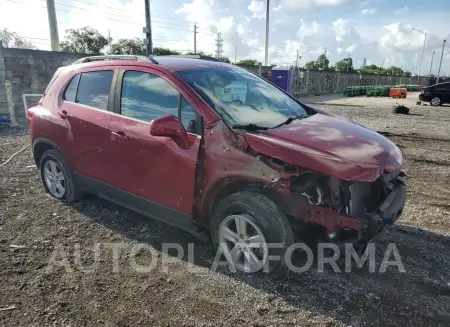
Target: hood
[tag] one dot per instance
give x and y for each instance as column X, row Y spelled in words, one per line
column 330, row 145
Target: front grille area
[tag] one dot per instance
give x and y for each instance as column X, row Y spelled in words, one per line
column 366, row 197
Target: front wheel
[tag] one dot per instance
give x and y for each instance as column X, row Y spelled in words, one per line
column 436, row 101
column 250, row 228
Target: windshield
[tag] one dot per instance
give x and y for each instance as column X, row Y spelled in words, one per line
column 241, row 97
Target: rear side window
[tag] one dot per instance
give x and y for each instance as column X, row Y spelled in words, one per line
column 146, row 96
column 94, row 88
column 71, row 90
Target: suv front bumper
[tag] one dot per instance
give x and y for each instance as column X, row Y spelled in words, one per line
column 390, row 210
column 367, row 225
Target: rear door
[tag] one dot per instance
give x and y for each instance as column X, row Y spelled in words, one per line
column 84, row 110
column 154, row 168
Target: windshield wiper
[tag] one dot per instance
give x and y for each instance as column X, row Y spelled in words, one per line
column 289, row 120
column 251, row 127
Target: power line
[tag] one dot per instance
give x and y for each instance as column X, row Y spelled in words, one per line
column 111, row 19
column 130, row 11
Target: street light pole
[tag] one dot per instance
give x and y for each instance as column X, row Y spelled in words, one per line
column 440, row 64
column 423, row 50
column 266, row 48
column 431, row 65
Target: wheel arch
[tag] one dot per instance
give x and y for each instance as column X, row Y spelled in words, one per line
column 226, row 187
column 40, row 145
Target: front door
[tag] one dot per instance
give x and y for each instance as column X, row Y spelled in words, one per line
column 154, row 168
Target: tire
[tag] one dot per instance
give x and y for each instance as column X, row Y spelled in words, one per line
column 436, row 101
column 71, row 191
column 265, row 215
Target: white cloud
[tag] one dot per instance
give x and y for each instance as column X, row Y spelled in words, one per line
column 225, row 24
column 240, row 29
column 368, row 11
column 305, row 5
column 402, row 38
column 308, row 30
column 258, row 9
column 343, row 30
column 350, row 48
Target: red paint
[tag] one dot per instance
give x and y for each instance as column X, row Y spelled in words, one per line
column 330, row 145
column 158, row 160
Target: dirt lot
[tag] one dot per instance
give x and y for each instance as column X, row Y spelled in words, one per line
column 104, row 297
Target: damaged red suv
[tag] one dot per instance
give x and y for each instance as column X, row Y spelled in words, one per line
column 208, row 146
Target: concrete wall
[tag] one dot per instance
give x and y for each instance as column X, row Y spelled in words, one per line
column 29, row 71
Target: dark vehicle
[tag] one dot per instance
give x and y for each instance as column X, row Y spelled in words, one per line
column 208, row 146
column 436, row 94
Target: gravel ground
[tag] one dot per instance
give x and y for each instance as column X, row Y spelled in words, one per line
column 38, row 296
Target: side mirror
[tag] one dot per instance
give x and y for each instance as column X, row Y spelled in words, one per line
column 168, row 126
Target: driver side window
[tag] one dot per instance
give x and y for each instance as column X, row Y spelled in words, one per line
column 188, row 116
column 146, row 96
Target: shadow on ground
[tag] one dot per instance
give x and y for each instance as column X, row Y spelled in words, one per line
column 420, row 296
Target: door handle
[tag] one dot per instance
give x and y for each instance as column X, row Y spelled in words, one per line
column 119, row 136
column 63, row 114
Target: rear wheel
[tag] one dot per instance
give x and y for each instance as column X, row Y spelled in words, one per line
column 57, row 177
column 436, row 101
column 245, row 225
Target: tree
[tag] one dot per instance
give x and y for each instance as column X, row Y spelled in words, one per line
column 322, row 62
column 393, row 70
column 164, row 52
column 247, row 62
column 373, row 69
column 84, row 40
column 345, row 65
column 13, row 40
column 310, row 65
column 225, row 59
column 128, row 46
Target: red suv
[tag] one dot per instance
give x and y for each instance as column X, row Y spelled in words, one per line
column 208, row 146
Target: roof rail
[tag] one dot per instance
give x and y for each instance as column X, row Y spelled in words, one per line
column 115, row 57
column 202, row 57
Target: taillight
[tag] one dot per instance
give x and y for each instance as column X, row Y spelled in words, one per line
column 30, row 113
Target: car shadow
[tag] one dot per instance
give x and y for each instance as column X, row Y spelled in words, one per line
column 419, row 296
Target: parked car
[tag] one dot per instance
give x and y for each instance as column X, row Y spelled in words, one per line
column 436, row 94
column 208, row 146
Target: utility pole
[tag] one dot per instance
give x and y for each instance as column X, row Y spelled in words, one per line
column 110, row 41
column 195, row 38
column 423, row 50
column 266, row 49
column 296, row 61
column 53, row 25
column 235, row 55
column 148, row 28
column 219, row 46
column 431, row 65
column 440, row 64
